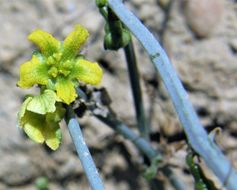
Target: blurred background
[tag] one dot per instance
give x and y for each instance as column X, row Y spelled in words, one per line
column 200, row 37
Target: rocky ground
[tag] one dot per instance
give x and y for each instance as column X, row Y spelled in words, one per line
column 201, row 39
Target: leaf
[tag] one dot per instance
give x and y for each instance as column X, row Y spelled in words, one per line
column 151, row 171
column 202, row 182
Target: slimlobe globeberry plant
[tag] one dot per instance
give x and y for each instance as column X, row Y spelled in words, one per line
column 57, row 70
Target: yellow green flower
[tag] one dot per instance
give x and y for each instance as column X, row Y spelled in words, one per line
column 57, row 66
column 40, row 116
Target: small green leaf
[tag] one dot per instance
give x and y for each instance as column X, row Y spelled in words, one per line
column 151, row 171
column 200, row 182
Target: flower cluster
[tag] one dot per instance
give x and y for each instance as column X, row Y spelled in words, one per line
column 57, row 70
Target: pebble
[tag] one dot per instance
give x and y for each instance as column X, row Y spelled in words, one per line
column 233, row 45
column 203, row 15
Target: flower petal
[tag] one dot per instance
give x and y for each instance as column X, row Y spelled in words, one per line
column 74, row 41
column 43, row 103
column 65, row 90
column 21, row 113
column 33, row 72
column 53, row 137
column 45, row 41
column 34, row 126
column 34, row 133
column 57, row 116
column 40, row 129
column 87, row 72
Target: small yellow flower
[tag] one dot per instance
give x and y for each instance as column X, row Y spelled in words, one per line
column 57, row 66
column 40, row 116
column 57, row 69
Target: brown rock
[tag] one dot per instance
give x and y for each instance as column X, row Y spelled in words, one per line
column 203, row 15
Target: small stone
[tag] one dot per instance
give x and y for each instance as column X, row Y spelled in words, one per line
column 69, row 169
column 23, row 171
column 203, row 15
column 2, row 187
column 233, row 45
column 164, row 3
column 147, row 11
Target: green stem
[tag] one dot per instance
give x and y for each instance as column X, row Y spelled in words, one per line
column 136, row 90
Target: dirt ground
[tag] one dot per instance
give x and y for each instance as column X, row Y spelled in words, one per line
column 199, row 36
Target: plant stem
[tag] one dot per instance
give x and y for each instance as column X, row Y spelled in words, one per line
column 122, row 129
column 82, row 151
column 196, row 134
column 136, row 90
column 142, row 145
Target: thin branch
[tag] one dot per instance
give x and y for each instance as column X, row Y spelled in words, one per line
column 136, row 90
column 83, row 152
column 122, row 129
column 142, row 145
column 196, row 134
column 107, row 116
